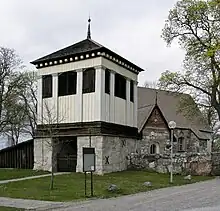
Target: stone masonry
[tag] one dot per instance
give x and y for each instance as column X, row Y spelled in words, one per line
column 111, row 152
column 183, row 163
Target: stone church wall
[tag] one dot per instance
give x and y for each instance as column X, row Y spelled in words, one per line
column 183, row 163
column 157, row 136
column 193, row 158
column 216, row 163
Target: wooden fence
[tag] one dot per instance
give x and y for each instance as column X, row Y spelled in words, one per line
column 18, row 156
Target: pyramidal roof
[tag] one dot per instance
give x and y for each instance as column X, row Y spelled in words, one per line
column 85, row 49
column 77, row 48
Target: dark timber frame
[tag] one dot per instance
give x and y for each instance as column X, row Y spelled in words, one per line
column 88, row 128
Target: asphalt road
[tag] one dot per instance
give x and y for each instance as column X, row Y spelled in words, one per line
column 203, row 196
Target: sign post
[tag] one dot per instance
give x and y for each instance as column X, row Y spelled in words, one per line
column 89, row 164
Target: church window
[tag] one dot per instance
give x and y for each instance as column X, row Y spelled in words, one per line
column 132, row 91
column 47, row 86
column 107, row 81
column 120, row 86
column 89, row 80
column 67, row 83
column 181, row 144
column 153, row 149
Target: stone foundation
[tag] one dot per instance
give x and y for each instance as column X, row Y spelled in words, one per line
column 115, row 153
column 183, row 163
column 43, row 154
column 97, row 143
column 111, row 152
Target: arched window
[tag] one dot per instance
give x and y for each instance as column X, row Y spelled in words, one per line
column 181, row 144
column 153, row 149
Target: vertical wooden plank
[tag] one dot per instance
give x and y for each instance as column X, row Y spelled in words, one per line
column 28, row 157
column 20, row 152
column 31, row 156
column 12, row 159
column 29, row 163
column 25, row 156
column 9, row 158
column 4, row 159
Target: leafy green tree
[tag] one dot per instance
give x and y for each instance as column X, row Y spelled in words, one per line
column 195, row 24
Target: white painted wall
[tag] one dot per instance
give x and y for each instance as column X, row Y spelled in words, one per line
column 68, row 108
column 43, row 154
column 119, row 69
column 120, row 111
column 97, row 106
column 117, row 110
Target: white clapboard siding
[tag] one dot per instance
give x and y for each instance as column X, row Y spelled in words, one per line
column 96, row 106
column 68, row 109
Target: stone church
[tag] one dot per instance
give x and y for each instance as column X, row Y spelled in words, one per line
column 88, row 96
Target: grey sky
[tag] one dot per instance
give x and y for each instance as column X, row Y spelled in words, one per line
column 130, row 28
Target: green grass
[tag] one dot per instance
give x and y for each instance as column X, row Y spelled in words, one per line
column 6, row 174
column 71, row 186
column 10, row 209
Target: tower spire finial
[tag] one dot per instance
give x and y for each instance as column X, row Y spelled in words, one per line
column 89, row 31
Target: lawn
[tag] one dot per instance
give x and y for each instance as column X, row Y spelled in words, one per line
column 6, row 174
column 10, row 209
column 71, row 186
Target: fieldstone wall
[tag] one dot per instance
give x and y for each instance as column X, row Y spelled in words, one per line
column 115, row 153
column 111, row 152
column 43, row 154
column 157, row 136
column 97, row 143
column 216, row 163
column 183, row 163
column 161, row 137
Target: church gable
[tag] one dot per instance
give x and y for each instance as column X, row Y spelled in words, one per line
column 156, row 119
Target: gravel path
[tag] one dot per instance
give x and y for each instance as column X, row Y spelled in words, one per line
column 205, row 195
column 31, row 177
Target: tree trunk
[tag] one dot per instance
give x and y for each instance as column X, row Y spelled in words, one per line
column 52, row 180
column 217, row 108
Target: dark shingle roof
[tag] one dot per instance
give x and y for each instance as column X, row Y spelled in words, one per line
column 79, row 47
column 84, row 47
column 169, row 104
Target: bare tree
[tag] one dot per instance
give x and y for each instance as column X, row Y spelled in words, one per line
column 151, row 84
column 20, row 107
column 28, row 96
column 10, row 63
column 49, row 122
column 16, row 123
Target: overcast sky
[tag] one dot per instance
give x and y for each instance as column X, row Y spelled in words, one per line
column 130, row 28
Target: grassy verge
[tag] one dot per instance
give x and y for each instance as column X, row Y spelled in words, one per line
column 10, row 209
column 6, row 174
column 71, row 187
